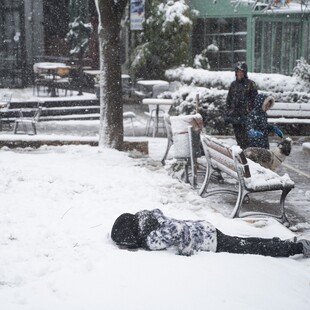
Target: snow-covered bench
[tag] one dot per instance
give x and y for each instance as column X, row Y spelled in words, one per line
column 251, row 177
column 289, row 113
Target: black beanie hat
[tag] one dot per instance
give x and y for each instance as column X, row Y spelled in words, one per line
column 125, row 231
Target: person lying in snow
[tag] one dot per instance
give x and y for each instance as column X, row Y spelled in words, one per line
column 152, row 230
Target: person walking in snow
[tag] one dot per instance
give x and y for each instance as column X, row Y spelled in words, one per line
column 152, row 230
column 239, row 102
column 258, row 128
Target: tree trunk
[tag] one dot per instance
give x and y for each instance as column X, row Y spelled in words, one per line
column 111, row 131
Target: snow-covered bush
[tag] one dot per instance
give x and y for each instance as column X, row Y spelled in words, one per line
column 211, row 106
column 302, row 70
column 165, row 41
column 212, row 87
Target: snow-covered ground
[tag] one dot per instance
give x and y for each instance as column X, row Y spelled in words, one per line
column 58, row 205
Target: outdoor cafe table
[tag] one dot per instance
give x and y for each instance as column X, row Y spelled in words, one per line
column 158, row 102
column 51, row 68
column 145, row 87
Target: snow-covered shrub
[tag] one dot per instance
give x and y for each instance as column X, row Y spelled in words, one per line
column 212, row 87
column 211, row 106
column 302, row 70
column 165, row 41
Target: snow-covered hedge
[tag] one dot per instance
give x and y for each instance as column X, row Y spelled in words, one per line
column 222, row 79
column 212, row 88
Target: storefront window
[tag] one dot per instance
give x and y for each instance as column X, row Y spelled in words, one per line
column 228, row 34
column 276, row 46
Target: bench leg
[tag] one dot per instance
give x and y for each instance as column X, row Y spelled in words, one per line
column 148, row 126
column 282, row 202
column 15, row 127
column 193, row 159
column 281, row 218
column 241, row 195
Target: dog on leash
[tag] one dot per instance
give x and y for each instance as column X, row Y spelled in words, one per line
column 270, row 159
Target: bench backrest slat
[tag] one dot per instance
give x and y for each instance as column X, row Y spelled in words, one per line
column 291, row 106
column 289, row 113
column 290, row 110
column 222, row 157
column 224, row 160
column 225, row 168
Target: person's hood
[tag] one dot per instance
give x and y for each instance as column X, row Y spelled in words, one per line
column 243, row 67
column 261, row 101
column 125, row 231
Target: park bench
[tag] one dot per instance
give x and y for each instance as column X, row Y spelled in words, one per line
column 289, row 113
column 224, row 162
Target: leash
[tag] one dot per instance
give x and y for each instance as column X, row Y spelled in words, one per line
column 296, row 170
column 280, row 160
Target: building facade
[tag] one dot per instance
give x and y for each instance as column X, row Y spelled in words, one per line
column 268, row 35
column 35, row 30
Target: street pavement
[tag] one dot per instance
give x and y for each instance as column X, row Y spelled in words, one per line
column 297, row 166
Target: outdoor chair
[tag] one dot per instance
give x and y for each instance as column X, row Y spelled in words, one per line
column 157, row 112
column 156, row 118
column 26, row 121
column 41, row 79
column 130, row 116
column 63, row 80
column 51, row 80
column 5, row 101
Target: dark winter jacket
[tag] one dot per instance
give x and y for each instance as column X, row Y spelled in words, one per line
column 258, row 120
column 186, row 236
column 240, row 100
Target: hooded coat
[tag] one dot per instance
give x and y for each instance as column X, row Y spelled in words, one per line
column 258, row 120
column 239, row 103
column 241, row 96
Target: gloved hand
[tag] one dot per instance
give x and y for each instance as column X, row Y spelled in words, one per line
column 255, row 133
column 278, row 132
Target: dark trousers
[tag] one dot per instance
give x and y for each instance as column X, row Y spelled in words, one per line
column 267, row 247
column 241, row 135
